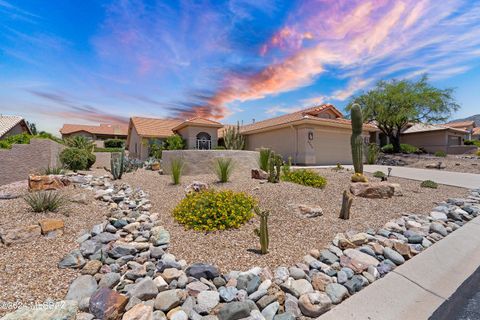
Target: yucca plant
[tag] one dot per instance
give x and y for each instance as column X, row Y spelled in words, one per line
column 223, row 169
column 264, row 158
column 177, row 168
column 53, row 170
column 43, row 201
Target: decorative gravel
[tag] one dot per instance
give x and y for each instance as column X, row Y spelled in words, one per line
column 28, row 271
column 291, row 236
column 452, row 162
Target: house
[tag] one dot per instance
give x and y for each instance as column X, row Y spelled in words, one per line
column 12, row 125
column 476, row 134
column 198, row 133
column 98, row 134
column 436, row 137
column 468, row 126
column 315, row 136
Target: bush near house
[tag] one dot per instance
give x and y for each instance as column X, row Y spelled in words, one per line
column 440, row 154
column 404, row 148
column 306, row 177
column 114, row 143
column 174, row 142
column 24, row 138
column 211, row 210
column 472, row 143
column 77, row 159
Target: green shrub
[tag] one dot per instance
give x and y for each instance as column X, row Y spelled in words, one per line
column 223, row 168
column 114, row 143
column 264, row 158
column 177, row 168
column 174, row 142
column 211, row 210
column 219, row 148
column 440, row 154
column 46, row 135
column 77, row 159
column 42, row 201
column 429, row 184
column 469, row 142
column 379, row 174
column 96, row 149
column 53, row 170
column 286, row 168
column 307, row 178
column 372, row 153
column 22, row 138
column 80, row 142
column 404, row 148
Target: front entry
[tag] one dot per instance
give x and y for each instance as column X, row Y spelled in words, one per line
column 204, row 141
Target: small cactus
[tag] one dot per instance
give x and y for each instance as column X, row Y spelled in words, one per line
column 274, row 167
column 356, row 140
column 262, row 232
column 117, row 166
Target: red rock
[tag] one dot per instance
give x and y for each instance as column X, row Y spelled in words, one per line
column 51, row 182
column 373, row 190
column 107, row 304
column 353, row 264
column 48, row 225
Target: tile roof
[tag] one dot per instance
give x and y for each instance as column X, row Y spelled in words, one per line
column 104, row 128
column 423, row 127
column 8, row 122
column 461, row 124
column 200, row 121
column 476, row 131
column 151, row 127
column 306, row 114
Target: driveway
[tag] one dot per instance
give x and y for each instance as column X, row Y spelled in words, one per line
column 457, row 179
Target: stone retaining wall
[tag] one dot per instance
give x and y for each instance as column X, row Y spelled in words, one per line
column 202, row 161
column 23, row 159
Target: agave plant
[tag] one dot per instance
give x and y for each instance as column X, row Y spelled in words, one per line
column 80, row 143
column 42, row 201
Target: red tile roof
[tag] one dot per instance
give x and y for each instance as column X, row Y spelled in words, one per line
column 461, row 124
column 151, row 127
column 103, row 129
column 199, row 121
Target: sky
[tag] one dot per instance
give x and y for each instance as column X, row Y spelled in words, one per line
column 96, row 61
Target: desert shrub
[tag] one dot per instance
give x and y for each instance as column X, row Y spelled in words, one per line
column 53, row 170
column 264, row 158
column 404, row 148
column 469, row 142
column 429, row 184
column 379, row 174
column 286, row 168
column 77, row 159
column 174, row 142
column 177, row 168
column 307, row 178
column 42, row 201
column 80, row 143
column 440, row 154
column 372, row 153
column 22, row 138
column 46, row 135
column 114, row 143
column 155, row 151
column 211, row 210
column 223, row 168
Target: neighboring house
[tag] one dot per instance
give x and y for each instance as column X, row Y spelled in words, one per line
column 98, row 133
column 12, row 125
column 314, row 136
column 476, row 134
column 198, row 133
column 436, row 137
column 467, row 126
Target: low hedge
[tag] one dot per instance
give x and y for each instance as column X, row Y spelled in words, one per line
column 114, row 143
column 211, row 210
column 404, row 148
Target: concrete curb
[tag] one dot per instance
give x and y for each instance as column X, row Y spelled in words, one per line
column 417, row 288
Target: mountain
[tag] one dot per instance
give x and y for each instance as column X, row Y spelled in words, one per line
column 475, row 118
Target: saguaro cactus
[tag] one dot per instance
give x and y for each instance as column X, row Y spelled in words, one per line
column 262, row 232
column 275, row 163
column 356, row 139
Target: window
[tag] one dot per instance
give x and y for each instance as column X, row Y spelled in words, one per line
column 204, row 141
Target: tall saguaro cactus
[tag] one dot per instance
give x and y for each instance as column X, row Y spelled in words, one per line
column 357, row 139
column 262, row 232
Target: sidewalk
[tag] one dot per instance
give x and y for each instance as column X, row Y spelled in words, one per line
column 417, row 288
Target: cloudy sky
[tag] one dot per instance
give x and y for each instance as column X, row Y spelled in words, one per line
column 94, row 61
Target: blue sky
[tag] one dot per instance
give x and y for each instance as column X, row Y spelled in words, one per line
column 238, row 60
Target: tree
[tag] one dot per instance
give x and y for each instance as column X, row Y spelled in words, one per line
column 33, row 128
column 392, row 105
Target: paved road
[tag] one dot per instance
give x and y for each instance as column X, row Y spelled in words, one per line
column 458, row 179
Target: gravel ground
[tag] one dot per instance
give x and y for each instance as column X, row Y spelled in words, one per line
column 291, row 236
column 28, row 271
column 453, row 163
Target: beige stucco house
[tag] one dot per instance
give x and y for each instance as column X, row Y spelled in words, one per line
column 98, row 134
column 198, row 133
column 436, row 137
column 468, row 126
column 12, row 125
column 314, row 136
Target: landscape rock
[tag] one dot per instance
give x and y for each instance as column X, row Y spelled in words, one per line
column 62, row 310
column 314, row 304
column 107, row 304
column 206, row 301
column 394, row 256
column 202, row 270
column 372, row 190
column 169, row 299
column 46, row 182
column 259, row 174
column 49, row 225
column 361, row 257
column 145, row 289
column 82, row 287
column 234, row 311
column 139, row 312
column 336, row 292
column 73, row 260
column 21, row 235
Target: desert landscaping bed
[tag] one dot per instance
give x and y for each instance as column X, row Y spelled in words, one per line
column 291, row 236
column 28, row 270
column 455, row 163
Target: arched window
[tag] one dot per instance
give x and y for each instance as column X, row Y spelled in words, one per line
column 204, row 141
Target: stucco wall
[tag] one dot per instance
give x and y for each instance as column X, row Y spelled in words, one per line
column 281, row 141
column 102, row 159
column 434, row 141
column 23, row 159
column 332, row 146
column 189, row 134
column 17, row 129
column 137, row 147
column 202, row 161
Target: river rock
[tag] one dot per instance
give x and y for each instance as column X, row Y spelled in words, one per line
column 82, row 287
column 336, row 292
column 314, row 304
column 394, row 256
column 107, row 304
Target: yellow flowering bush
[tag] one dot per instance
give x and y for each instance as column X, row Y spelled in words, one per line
column 211, row 210
column 306, row 177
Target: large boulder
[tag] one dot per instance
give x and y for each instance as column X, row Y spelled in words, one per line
column 50, row 182
column 373, row 190
column 107, row 304
column 259, row 174
column 20, row 235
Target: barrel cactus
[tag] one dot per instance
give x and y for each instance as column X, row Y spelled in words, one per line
column 357, row 139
